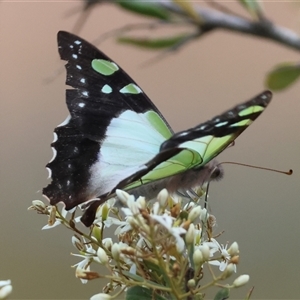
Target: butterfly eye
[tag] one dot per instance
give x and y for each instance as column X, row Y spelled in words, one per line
column 217, row 173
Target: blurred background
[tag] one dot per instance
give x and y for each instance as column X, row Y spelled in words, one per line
column 258, row 209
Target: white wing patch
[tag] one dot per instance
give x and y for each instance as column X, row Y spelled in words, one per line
column 130, row 142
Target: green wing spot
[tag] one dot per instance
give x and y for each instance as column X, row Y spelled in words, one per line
column 158, row 123
column 131, row 88
column 104, row 67
column 242, row 123
column 186, row 159
column 106, row 89
column 250, row 110
column 216, row 146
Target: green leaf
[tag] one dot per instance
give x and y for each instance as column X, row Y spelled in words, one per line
column 222, row 294
column 282, row 76
column 146, row 8
column 138, row 293
column 153, row 43
column 253, row 6
column 141, row 279
column 157, row 274
column 189, row 9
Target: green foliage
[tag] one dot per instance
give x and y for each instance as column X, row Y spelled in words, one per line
column 138, row 293
column 222, row 294
column 253, row 6
column 158, row 43
column 150, row 9
column 282, row 76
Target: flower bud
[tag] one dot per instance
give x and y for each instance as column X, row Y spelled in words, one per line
column 228, row 271
column 123, row 196
column 189, row 237
column 156, row 208
column 233, row 249
column 141, row 202
column 194, row 213
column 204, row 215
column 191, row 283
column 5, row 290
column 102, row 256
column 39, row 203
column 198, row 257
column 105, row 211
column 77, row 243
column 205, row 252
column 162, row 198
column 52, row 216
column 115, row 251
column 241, row 280
column 101, row 296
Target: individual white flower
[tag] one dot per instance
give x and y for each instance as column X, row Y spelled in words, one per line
column 167, row 222
column 88, row 256
column 132, row 208
column 214, row 247
column 112, row 221
column 102, row 214
column 77, row 243
column 57, row 220
column 107, row 243
column 123, row 227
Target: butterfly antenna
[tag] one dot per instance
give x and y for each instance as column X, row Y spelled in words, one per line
column 290, row 172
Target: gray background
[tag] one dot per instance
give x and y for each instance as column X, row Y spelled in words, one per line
column 258, row 209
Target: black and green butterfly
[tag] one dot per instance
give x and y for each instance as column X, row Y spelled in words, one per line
column 115, row 137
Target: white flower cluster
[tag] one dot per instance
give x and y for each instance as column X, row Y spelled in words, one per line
column 164, row 247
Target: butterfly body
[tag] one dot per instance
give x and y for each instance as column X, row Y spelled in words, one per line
column 115, row 137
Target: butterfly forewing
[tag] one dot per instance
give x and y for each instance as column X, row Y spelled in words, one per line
column 110, row 118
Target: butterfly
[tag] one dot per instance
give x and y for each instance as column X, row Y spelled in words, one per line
column 116, row 138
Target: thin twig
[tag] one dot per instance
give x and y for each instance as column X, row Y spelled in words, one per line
column 214, row 19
